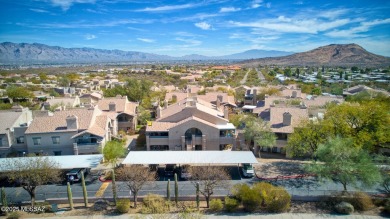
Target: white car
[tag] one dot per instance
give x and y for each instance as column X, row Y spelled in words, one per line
column 247, row 170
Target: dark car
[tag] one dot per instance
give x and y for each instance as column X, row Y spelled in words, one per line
column 74, row 175
column 169, row 169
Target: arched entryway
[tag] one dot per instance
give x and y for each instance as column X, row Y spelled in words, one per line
column 192, row 131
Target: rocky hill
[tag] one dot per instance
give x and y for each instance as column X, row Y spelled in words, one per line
column 331, row 55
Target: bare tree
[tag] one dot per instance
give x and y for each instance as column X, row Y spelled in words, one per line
column 135, row 177
column 31, row 172
column 209, row 178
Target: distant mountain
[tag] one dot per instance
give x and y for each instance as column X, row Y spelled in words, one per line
column 13, row 53
column 25, row 53
column 330, row 55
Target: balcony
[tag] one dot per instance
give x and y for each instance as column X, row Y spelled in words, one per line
column 88, row 148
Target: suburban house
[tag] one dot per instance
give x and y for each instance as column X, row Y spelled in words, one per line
column 215, row 98
column 13, row 125
column 121, row 111
column 89, row 98
column 61, row 103
column 69, row 132
column 191, row 124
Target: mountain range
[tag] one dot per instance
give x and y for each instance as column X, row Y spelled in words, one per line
column 330, row 55
column 25, row 53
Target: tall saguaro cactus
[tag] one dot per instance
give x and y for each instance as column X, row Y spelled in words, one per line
column 70, row 197
column 176, row 190
column 169, row 190
column 85, row 194
column 4, row 201
column 197, row 196
column 114, row 186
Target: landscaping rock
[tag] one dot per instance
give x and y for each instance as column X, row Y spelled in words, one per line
column 344, row 208
column 100, row 205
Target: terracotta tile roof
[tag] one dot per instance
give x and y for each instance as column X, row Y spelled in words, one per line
column 165, row 126
column 63, row 101
column 322, row 101
column 181, row 111
column 57, row 122
column 8, row 118
column 276, row 118
column 120, row 102
column 98, row 128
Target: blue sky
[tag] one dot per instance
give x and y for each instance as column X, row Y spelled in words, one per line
column 206, row 27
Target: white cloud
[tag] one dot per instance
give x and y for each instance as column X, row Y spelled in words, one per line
column 167, row 8
column 38, row 10
column 332, row 14
column 66, row 4
column 356, row 31
column 229, row 9
column 203, row 25
column 90, row 37
column 146, row 40
column 268, row 5
column 293, row 25
column 256, row 3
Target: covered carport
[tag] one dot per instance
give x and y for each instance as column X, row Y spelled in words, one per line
column 64, row 162
column 217, row 158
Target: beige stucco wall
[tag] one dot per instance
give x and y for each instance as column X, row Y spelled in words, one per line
column 47, row 146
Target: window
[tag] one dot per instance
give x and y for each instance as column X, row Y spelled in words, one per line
column 1, row 142
column 37, row 141
column 20, row 140
column 57, row 153
column 56, row 139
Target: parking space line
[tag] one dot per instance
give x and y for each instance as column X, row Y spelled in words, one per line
column 101, row 190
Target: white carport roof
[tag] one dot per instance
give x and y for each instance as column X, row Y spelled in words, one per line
column 64, row 162
column 189, row 157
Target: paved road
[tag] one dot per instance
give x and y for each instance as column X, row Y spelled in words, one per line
column 244, row 79
column 300, row 187
column 260, row 75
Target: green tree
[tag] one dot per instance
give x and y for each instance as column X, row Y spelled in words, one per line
column 32, row 172
column 306, row 139
column 316, row 91
column 259, row 132
column 287, row 72
column 339, row 161
column 19, row 93
column 112, row 151
column 143, row 115
column 367, row 123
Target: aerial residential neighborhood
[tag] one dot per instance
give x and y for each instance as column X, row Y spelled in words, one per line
column 194, row 109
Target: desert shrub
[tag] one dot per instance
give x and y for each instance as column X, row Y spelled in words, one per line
column 386, row 206
column 278, row 200
column 361, row 201
column 123, row 205
column 344, row 208
column 154, row 204
column 216, row 205
column 14, row 215
column 45, row 206
column 262, row 195
column 251, row 200
column 231, row 204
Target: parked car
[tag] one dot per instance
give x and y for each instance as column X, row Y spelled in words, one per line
column 184, row 172
column 169, row 169
column 74, row 175
column 247, row 170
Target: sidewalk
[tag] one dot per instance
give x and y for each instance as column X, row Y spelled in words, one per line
column 230, row 216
